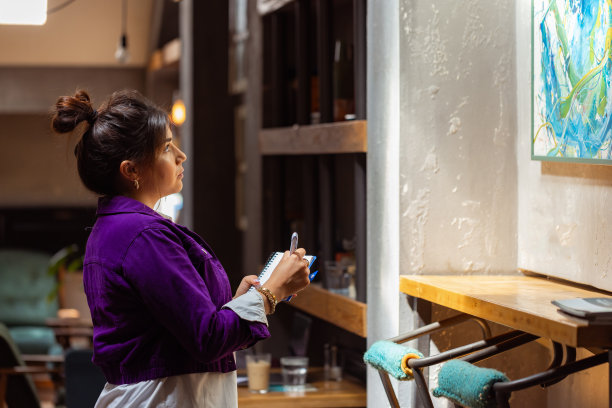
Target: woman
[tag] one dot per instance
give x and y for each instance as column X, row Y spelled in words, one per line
column 165, row 323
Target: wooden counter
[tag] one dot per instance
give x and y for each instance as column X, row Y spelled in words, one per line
column 345, row 393
column 516, row 301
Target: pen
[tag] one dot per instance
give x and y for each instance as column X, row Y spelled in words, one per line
column 294, row 243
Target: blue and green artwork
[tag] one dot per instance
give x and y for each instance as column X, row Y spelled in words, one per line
column 571, row 84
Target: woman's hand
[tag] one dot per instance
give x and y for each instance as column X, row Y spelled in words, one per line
column 245, row 285
column 290, row 275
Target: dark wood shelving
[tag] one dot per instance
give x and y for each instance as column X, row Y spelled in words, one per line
column 327, row 138
column 309, row 132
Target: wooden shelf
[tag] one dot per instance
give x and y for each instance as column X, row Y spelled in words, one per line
column 167, row 57
column 328, row 138
column 339, row 310
column 520, row 302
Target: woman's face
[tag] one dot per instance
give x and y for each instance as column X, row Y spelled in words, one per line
column 167, row 169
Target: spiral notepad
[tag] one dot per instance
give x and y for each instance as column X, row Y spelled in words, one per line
column 272, row 263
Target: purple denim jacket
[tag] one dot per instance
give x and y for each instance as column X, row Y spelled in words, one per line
column 155, row 290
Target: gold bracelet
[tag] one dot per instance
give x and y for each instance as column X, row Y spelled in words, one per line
column 270, row 296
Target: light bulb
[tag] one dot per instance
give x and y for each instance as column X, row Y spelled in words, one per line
column 178, row 112
column 122, row 54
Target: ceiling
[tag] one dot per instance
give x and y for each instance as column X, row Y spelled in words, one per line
column 84, row 33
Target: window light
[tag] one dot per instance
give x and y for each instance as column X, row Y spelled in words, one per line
column 23, row 12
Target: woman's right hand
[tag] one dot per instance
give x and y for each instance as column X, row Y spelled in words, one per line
column 290, row 275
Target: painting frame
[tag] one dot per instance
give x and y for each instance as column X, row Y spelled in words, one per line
column 571, row 116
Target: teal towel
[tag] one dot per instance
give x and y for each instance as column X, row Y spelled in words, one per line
column 467, row 384
column 388, row 356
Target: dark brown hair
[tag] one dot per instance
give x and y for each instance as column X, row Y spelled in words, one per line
column 126, row 127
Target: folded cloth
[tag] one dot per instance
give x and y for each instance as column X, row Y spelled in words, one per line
column 467, row 384
column 391, row 357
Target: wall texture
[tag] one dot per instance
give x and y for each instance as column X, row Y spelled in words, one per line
column 564, row 221
column 564, row 217
column 452, row 170
column 457, row 185
column 457, row 143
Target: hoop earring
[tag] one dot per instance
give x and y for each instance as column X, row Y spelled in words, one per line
column 136, row 185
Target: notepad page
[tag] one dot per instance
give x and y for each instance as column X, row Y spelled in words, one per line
column 269, row 267
column 273, row 262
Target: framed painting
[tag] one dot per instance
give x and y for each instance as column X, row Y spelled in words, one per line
column 571, row 62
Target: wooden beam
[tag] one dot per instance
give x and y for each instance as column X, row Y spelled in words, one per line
column 338, row 137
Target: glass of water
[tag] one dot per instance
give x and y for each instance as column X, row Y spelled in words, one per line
column 294, row 371
column 337, row 278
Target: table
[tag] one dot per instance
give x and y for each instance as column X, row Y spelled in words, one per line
column 517, row 301
column 68, row 329
column 346, row 393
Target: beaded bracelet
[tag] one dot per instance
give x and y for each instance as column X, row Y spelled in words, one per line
column 270, row 296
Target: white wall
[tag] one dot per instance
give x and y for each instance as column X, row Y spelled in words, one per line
column 452, row 171
column 564, row 221
column 564, row 217
column 457, row 145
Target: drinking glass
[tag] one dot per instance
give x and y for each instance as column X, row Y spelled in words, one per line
column 258, row 372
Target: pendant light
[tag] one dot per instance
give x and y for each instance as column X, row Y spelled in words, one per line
column 178, row 113
column 122, row 54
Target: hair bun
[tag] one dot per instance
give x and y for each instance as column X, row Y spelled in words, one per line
column 92, row 117
column 71, row 110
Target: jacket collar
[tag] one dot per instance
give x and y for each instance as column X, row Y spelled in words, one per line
column 122, row 204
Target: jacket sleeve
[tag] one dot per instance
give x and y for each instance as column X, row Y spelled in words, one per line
column 249, row 306
column 159, row 269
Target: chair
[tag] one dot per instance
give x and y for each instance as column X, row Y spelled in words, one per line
column 25, row 286
column 16, row 386
column 84, row 380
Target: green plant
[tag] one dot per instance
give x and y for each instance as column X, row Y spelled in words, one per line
column 66, row 260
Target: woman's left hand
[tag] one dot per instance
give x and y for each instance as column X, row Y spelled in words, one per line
column 245, row 285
